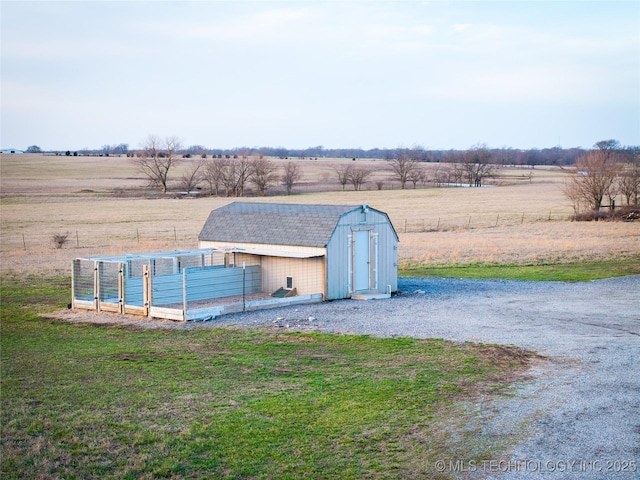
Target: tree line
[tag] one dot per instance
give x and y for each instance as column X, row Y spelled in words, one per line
column 607, row 171
column 229, row 175
column 499, row 156
column 224, row 176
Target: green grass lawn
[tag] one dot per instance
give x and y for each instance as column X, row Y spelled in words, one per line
column 86, row 401
column 573, row 272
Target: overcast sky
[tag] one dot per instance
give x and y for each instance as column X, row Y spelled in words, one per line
column 339, row 74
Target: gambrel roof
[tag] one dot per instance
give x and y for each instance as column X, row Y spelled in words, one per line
column 274, row 223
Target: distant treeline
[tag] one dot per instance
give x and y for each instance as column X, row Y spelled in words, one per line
column 498, row 156
column 502, row 156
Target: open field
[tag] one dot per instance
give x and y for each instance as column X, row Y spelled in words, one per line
column 99, row 202
column 87, row 402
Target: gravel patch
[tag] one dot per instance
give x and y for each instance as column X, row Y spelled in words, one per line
column 578, row 417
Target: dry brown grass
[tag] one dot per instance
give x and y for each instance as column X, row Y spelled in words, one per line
column 521, row 221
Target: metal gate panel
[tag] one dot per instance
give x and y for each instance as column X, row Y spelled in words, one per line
column 110, row 286
column 84, row 284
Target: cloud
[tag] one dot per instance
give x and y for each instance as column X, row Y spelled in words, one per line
column 48, row 50
column 247, row 27
column 316, row 66
column 40, row 99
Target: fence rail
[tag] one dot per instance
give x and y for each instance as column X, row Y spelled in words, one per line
column 463, row 222
column 94, row 237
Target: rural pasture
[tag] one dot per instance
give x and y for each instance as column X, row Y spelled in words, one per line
column 87, row 402
column 104, row 206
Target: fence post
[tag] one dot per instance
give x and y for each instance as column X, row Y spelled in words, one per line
column 73, row 283
column 96, row 285
column 121, row 289
column 146, row 289
column 244, row 287
column 184, row 294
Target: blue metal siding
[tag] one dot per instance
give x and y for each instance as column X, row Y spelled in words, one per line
column 166, row 289
column 134, row 291
column 204, row 283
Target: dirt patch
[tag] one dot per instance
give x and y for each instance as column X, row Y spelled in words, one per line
column 512, row 364
column 504, row 356
column 110, row 319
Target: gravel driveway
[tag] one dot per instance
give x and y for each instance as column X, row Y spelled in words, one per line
column 582, row 410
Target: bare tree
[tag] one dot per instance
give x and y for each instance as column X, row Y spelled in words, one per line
column 358, row 176
column 417, row 175
column 292, row 175
column 629, row 182
column 573, row 191
column 235, row 176
column 609, row 147
column 595, row 175
column 403, row 166
column 262, row 174
column 476, row 165
column 442, row 174
column 121, row 149
column 197, row 151
column 456, row 172
column 344, row 174
column 192, row 177
column 213, row 174
column 156, row 159
column 227, row 173
column 614, row 188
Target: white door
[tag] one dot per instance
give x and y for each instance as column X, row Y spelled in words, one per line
column 362, row 260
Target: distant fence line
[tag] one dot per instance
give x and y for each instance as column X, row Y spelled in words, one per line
column 99, row 237
column 87, row 237
column 463, row 222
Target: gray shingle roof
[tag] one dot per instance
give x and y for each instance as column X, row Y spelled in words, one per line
column 274, row 223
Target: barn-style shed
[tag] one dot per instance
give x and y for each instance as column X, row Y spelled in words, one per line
column 339, row 251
